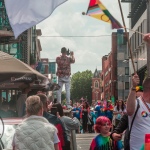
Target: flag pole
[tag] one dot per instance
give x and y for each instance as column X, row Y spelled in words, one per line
column 148, row 31
column 129, row 45
column 134, row 31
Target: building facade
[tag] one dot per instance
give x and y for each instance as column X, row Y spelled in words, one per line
column 108, row 77
column 96, row 86
column 138, row 22
column 122, row 65
column 115, row 73
column 26, row 47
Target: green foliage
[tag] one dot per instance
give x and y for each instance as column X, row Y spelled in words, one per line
column 63, row 95
column 63, row 102
column 81, row 83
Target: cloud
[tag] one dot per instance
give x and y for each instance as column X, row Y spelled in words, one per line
column 67, row 20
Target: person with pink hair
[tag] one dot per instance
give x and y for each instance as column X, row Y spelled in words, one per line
column 103, row 141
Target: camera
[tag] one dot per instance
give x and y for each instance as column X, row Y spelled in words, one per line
column 68, row 52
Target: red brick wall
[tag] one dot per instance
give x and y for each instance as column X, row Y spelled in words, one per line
column 109, row 67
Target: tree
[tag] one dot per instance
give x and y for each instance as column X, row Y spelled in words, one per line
column 81, row 83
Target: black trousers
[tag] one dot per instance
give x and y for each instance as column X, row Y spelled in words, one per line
column 84, row 124
column 67, row 146
column 90, row 128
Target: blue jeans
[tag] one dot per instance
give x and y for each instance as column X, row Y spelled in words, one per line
column 61, row 81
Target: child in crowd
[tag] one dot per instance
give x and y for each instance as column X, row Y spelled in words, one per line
column 103, row 141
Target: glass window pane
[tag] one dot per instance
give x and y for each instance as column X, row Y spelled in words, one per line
column 126, row 85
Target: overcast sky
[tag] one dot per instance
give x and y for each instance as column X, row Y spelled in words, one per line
column 67, row 20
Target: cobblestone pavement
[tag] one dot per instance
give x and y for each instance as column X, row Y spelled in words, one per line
column 84, row 140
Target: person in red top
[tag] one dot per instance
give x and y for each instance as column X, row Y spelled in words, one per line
column 63, row 73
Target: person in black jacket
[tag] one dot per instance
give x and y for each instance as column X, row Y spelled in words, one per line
column 117, row 132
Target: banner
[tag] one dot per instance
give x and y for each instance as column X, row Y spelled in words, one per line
column 24, row 14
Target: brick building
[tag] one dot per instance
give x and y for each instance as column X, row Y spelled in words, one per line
column 108, row 76
column 109, row 72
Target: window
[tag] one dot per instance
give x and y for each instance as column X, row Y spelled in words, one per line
column 126, row 70
column 96, row 84
column 106, row 73
column 126, row 85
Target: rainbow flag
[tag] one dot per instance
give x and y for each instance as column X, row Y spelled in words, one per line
column 97, row 10
column 147, row 142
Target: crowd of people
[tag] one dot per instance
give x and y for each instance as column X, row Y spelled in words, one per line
column 119, row 124
column 87, row 114
column 103, row 117
column 46, row 127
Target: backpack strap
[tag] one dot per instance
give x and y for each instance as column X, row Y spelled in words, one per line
column 138, row 106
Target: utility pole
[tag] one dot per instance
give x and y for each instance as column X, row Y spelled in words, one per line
column 148, row 31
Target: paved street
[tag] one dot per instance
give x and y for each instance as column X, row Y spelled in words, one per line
column 84, row 140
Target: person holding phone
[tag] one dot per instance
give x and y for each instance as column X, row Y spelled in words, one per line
column 63, row 72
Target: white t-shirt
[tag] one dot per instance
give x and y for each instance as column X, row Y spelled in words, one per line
column 119, row 116
column 140, row 127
